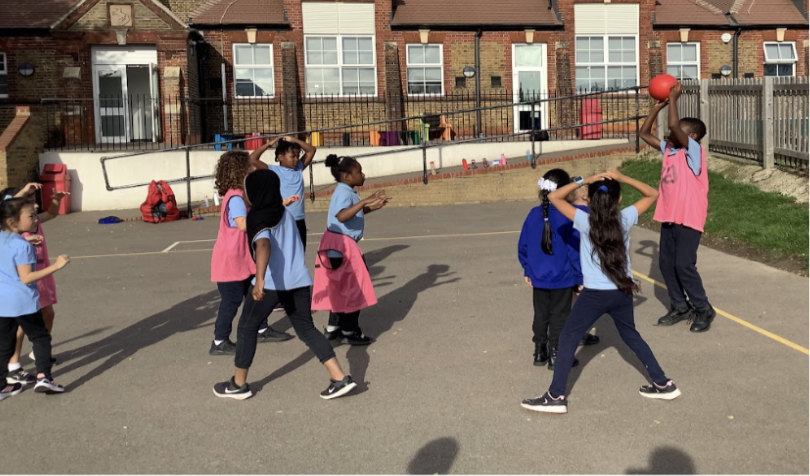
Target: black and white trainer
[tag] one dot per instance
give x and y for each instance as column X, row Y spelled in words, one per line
column 48, row 386
column 10, row 390
column 546, row 404
column 272, row 335
column 21, row 376
column 355, row 338
column 665, row 392
column 229, row 389
column 338, row 389
column 225, row 347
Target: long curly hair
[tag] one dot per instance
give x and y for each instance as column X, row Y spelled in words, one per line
column 231, row 170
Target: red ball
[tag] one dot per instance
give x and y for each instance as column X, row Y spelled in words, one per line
column 660, row 85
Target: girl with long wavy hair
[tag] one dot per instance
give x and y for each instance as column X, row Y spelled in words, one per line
column 608, row 282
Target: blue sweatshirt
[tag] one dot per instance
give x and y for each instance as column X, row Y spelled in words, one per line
column 559, row 270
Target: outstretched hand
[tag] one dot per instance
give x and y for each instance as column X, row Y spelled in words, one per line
column 290, row 200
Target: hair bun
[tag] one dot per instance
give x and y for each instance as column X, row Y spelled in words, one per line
column 332, row 160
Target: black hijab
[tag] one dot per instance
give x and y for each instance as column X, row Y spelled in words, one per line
column 263, row 190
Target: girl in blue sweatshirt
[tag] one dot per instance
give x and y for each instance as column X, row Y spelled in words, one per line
column 548, row 250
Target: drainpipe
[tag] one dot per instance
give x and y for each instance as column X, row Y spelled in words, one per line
column 735, row 52
column 478, row 81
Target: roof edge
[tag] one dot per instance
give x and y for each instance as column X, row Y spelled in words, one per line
column 69, row 12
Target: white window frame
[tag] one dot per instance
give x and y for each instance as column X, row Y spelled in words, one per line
column 4, row 72
column 696, row 44
column 606, row 52
column 778, row 61
column 270, row 67
column 409, row 65
column 340, row 65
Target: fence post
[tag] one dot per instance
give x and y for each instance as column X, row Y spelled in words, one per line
column 424, row 163
column 767, row 123
column 188, row 181
column 704, row 110
column 638, row 111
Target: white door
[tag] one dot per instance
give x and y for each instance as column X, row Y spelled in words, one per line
column 529, row 80
column 111, row 103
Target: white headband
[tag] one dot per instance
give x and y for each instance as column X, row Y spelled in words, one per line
column 547, row 185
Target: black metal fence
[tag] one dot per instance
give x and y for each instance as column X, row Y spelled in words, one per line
column 143, row 123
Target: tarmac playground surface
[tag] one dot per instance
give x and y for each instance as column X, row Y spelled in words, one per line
column 440, row 389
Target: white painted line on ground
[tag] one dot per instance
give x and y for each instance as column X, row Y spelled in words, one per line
column 180, row 242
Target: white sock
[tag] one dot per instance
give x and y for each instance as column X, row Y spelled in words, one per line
column 217, row 342
column 13, row 367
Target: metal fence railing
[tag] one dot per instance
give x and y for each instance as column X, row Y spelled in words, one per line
column 143, row 123
column 761, row 119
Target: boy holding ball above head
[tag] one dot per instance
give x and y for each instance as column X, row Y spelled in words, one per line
column 682, row 209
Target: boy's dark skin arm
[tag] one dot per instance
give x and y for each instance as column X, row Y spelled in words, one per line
column 256, row 154
column 677, row 135
column 646, row 129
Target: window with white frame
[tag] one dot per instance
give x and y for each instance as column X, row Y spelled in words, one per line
column 780, row 59
column 425, row 71
column 606, row 62
column 683, row 60
column 3, row 76
column 606, row 44
column 339, row 49
column 253, row 70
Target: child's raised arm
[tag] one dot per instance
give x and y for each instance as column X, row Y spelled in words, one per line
column 677, row 135
column 309, row 150
column 28, row 275
column 646, row 129
column 256, row 154
column 650, row 195
column 53, row 208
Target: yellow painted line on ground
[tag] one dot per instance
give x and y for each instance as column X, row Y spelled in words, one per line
column 739, row 321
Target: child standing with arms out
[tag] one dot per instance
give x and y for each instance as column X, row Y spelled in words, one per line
column 290, row 171
column 20, row 303
column 608, row 283
column 682, row 211
column 282, row 277
column 551, row 268
column 342, row 283
column 46, row 286
column 232, row 266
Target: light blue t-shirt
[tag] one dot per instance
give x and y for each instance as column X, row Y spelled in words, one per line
column 592, row 275
column 18, row 299
column 292, row 183
column 236, row 209
column 287, row 269
column 694, row 154
column 345, row 197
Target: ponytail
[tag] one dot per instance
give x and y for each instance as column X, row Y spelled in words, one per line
column 552, row 180
column 607, row 233
column 339, row 165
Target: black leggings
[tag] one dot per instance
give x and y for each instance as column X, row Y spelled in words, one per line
column 551, row 309
column 34, row 328
column 296, row 304
column 302, row 230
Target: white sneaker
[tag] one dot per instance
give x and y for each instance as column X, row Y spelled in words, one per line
column 45, row 385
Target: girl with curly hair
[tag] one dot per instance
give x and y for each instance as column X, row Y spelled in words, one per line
column 232, row 266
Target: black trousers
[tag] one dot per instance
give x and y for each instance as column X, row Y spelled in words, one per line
column 302, row 230
column 347, row 321
column 296, row 304
column 551, row 309
column 34, row 327
column 231, row 293
column 677, row 260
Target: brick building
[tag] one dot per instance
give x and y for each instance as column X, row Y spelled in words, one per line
column 194, row 68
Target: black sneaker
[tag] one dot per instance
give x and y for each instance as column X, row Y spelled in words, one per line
column 540, row 354
column 272, row 335
column 546, row 404
column 10, row 390
column 338, row 389
column 332, row 335
column 355, row 338
column 676, row 315
column 590, row 339
column 667, row 392
column 229, row 389
column 20, row 376
column 48, row 386
column 703, row 319
column 225, row 347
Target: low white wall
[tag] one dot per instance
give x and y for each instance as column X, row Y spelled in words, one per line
column 90, row 193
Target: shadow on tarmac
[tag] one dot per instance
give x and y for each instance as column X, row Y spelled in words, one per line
column 667, row 460
column 110, row 351
column 436, row 457
column 649, row 249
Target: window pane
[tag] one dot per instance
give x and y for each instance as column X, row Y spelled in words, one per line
column 770, row 69
column 628, row 76
column 3, row 84
column 432, row 55
column 784, row 69
column 365, row 44
column 433, row 74
column 330, row 57
column 690, row 53
column 416, row 54
column 349, row 44
column 597, row 74
column 786, row 52
column 583, row 56
column 323, row 81
column 597, row 50
column 629, row 43
column 433, row 88
column 314, row 57
column 583, row 78
column 583, row 43
column 365, row 57
column 366, row 88
column 674, row 71
column 416, row 74
column 690, row 72
column 771, row 52
column 350, row 75
column 629, row 56
column 416, row 88
column 263, row 79
column 349, row 57
column 262, row 55
column 244, row 88
column 314, row 44
column 367, row 75
column 329, row 43
column 673, row 53
column 528, row 55
column 244, row 55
